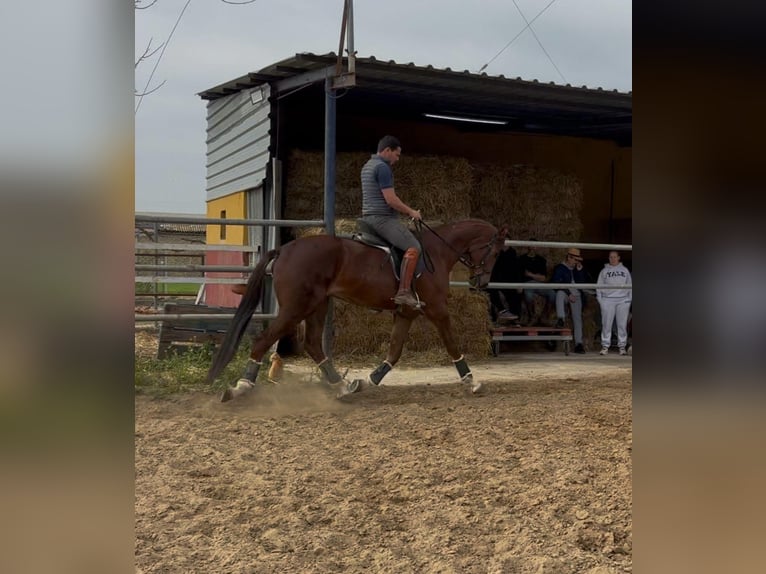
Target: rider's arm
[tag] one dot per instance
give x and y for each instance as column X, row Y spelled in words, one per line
column 393, row 200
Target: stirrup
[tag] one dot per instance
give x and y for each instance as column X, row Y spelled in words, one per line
column 410, row 299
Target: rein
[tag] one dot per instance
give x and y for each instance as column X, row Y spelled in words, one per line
column 461, row 256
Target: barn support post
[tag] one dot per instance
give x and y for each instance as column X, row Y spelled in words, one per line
column 329, row 197
column 611, row 201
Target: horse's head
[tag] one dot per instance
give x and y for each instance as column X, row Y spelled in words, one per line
column 481, row 253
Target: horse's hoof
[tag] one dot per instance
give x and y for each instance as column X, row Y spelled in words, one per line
column 354, row 386
column 367, row 385
column 474, row 386
column 348, row 388
column 242, row 387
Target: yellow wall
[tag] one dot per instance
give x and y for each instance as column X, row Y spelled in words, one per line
column 236, row 208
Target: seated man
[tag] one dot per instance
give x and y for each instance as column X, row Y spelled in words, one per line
column 505, row 303
column 570, row 270
column 534, row 269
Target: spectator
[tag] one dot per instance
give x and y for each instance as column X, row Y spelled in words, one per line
column 505, row 303
column 615, row 303
column 570, row 270
column 534, row 269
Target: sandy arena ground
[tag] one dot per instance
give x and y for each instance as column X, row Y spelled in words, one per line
column 532, row 477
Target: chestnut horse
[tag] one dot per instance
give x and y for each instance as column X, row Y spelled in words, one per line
column 308, row 271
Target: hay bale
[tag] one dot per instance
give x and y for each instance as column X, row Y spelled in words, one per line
column 439, row 187
column 342, row 227
column 362, row 334
column 591, row 323
column 459, row 273
column 470, row 320
column 533, row 201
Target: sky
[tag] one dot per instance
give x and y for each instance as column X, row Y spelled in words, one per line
column 580, row 42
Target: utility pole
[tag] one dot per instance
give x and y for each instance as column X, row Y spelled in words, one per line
column 341, row 80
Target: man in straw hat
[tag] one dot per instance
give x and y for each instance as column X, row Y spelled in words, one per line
column 572, row 271
column 380, row 208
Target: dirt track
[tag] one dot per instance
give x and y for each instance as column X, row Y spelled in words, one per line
column 534, row 477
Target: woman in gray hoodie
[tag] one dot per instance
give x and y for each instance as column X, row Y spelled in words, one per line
column 615, row 303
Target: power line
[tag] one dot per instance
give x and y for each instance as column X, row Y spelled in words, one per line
column 157, row 63
column 516, row 36
column 529, row 25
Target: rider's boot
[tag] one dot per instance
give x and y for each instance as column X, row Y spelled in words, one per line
column 404, row 296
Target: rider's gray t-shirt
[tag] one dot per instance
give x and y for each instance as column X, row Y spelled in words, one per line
column 376, row 176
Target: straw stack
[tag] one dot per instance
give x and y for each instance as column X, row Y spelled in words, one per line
column 439, row 187
column 540, row 203
column 364, row 335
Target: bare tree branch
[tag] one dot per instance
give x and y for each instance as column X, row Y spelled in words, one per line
column 150, row 91
column 147, row 54
column 162, row 53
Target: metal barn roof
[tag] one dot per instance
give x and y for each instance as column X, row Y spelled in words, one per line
column 407, row 90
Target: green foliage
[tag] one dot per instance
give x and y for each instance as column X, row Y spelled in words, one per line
column 186, row 371
column 142, row 288
column 175, row 288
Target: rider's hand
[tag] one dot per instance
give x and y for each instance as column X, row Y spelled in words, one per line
column 416, row 215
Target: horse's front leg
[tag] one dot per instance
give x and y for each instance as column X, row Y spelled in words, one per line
column 402, row 321
column 439, row 316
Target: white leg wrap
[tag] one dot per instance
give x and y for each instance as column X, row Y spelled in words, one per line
column 243, row 386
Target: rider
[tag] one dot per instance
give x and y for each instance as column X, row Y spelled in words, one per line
column 380, row 205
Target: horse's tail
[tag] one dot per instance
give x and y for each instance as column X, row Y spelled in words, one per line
column 250, row 300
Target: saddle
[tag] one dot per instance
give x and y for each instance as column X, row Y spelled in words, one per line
column 366, row 234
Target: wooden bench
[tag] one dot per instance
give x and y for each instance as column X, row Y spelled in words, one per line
column 516, row 333
column 180, row 334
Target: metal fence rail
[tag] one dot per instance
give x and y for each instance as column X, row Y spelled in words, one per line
column 199, row 280
column 533, row 285
column 194, row 267
column 147, row 218
column 149, row 249
column 568, row 244
column 194, row 316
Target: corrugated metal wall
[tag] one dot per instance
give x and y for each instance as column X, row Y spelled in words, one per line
column 237, row 141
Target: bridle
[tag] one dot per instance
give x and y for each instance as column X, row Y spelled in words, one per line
column 477, row 269
column 473, row 267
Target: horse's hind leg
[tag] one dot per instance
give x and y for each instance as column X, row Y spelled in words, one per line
column 439, row 316
column 313, row 343
column 279, row 327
